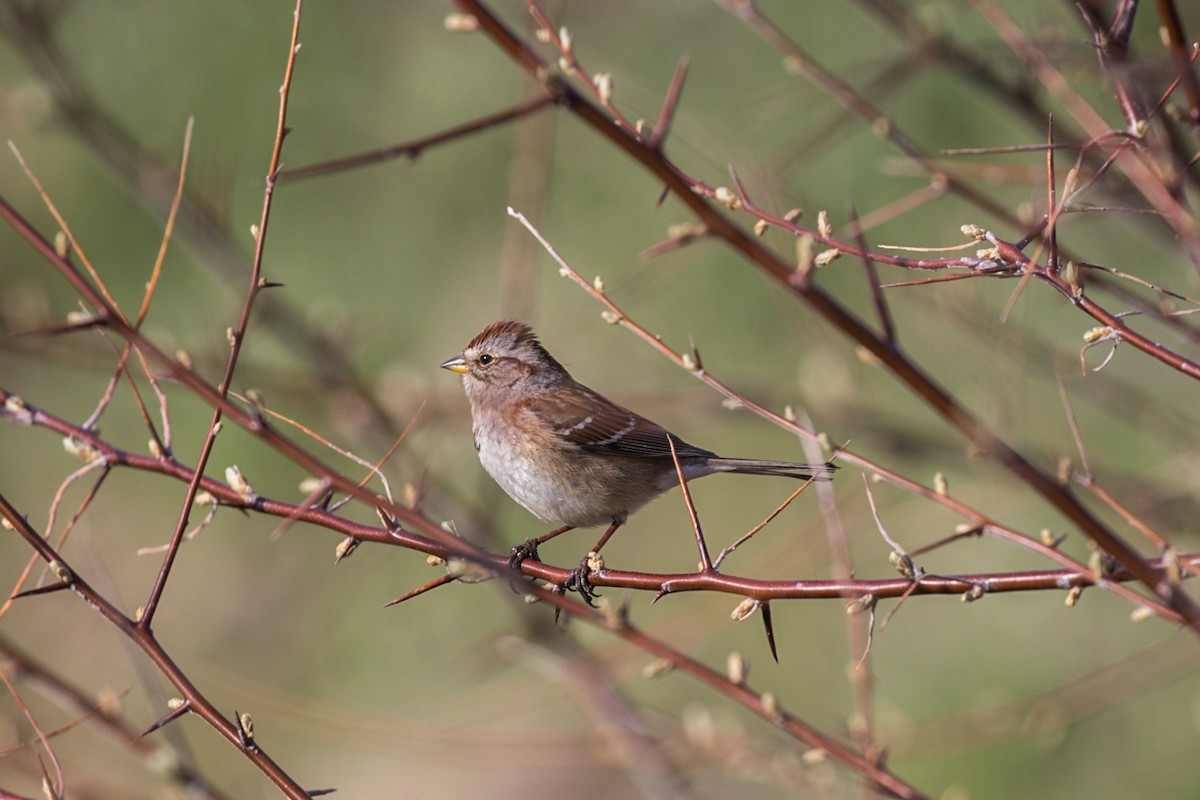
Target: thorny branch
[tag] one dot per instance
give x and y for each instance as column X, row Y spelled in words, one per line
column 194, row 699
column 237, row 334
column 407, row 527
column 699, row 198
column 423, row 535
column 979, row 523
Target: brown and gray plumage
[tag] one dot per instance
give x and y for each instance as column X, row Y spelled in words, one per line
column 565, row 452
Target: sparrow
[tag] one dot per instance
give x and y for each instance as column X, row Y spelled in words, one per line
column 567, row 453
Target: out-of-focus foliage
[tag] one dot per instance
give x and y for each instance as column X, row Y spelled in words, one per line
column 397, row 264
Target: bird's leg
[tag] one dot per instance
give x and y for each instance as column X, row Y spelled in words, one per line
column 580, row 576
column 529, row 548
column 608, row 535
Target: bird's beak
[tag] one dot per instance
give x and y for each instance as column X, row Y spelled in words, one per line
column 456, row 364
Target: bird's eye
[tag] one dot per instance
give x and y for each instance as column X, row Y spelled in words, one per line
column 486, row 359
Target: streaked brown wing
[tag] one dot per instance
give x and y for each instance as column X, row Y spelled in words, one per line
column 589, row 421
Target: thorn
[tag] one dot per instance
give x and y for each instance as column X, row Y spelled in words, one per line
column 345, row 548
column 560, row 622
column 670, row 104
column 175, row 713
column 770, row 630
column 421, row 590
column 258, row 412
column 663, row 592
column 698, row 364
column 387, row 519
column 47, row 589
column 70, row 327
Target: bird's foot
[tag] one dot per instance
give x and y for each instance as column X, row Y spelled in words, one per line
column 526, row 549
column 580, row 578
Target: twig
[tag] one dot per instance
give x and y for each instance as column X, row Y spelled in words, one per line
column 616, row 315
column 886, row 323
column 144, row 639
column 237, row 335
column 706, row 564
column 415, row 147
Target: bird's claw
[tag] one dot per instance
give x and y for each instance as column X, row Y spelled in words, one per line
column 580, row 578
column 526, row 549
column 580, row 583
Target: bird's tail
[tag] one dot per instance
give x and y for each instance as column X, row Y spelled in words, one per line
column 788, row 469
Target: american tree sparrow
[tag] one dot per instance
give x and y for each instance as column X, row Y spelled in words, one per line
column 568, row 454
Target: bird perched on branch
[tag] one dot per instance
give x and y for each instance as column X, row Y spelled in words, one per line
column 567, row 453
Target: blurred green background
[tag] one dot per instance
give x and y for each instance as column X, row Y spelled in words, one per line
column 398, row 264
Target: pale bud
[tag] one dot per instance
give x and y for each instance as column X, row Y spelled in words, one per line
column 80, row 449
column 311, row 484
column 246, row 726
column 737, row 668
column 604, row 87
column 657, row 668
column 815, row 756
column 237, row 481
column 726, row 197
column 744, row 609
column 826, row 257
column 61, row 571
column 1141, row 614
column 770, row 705
column 460, row 23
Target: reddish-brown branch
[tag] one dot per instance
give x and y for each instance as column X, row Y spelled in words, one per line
column 980, row 521
column 428, row 541
column 886, row 325
column 145, row 640
column 670, row 103
column 52, row 684
column 30, row 27
column 237, row 335
column 415, row 147
column 764, row 706
column 856, row 104
column 706, row 563
column 1177, row 44
column 718, row 224
column 1136, row 169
